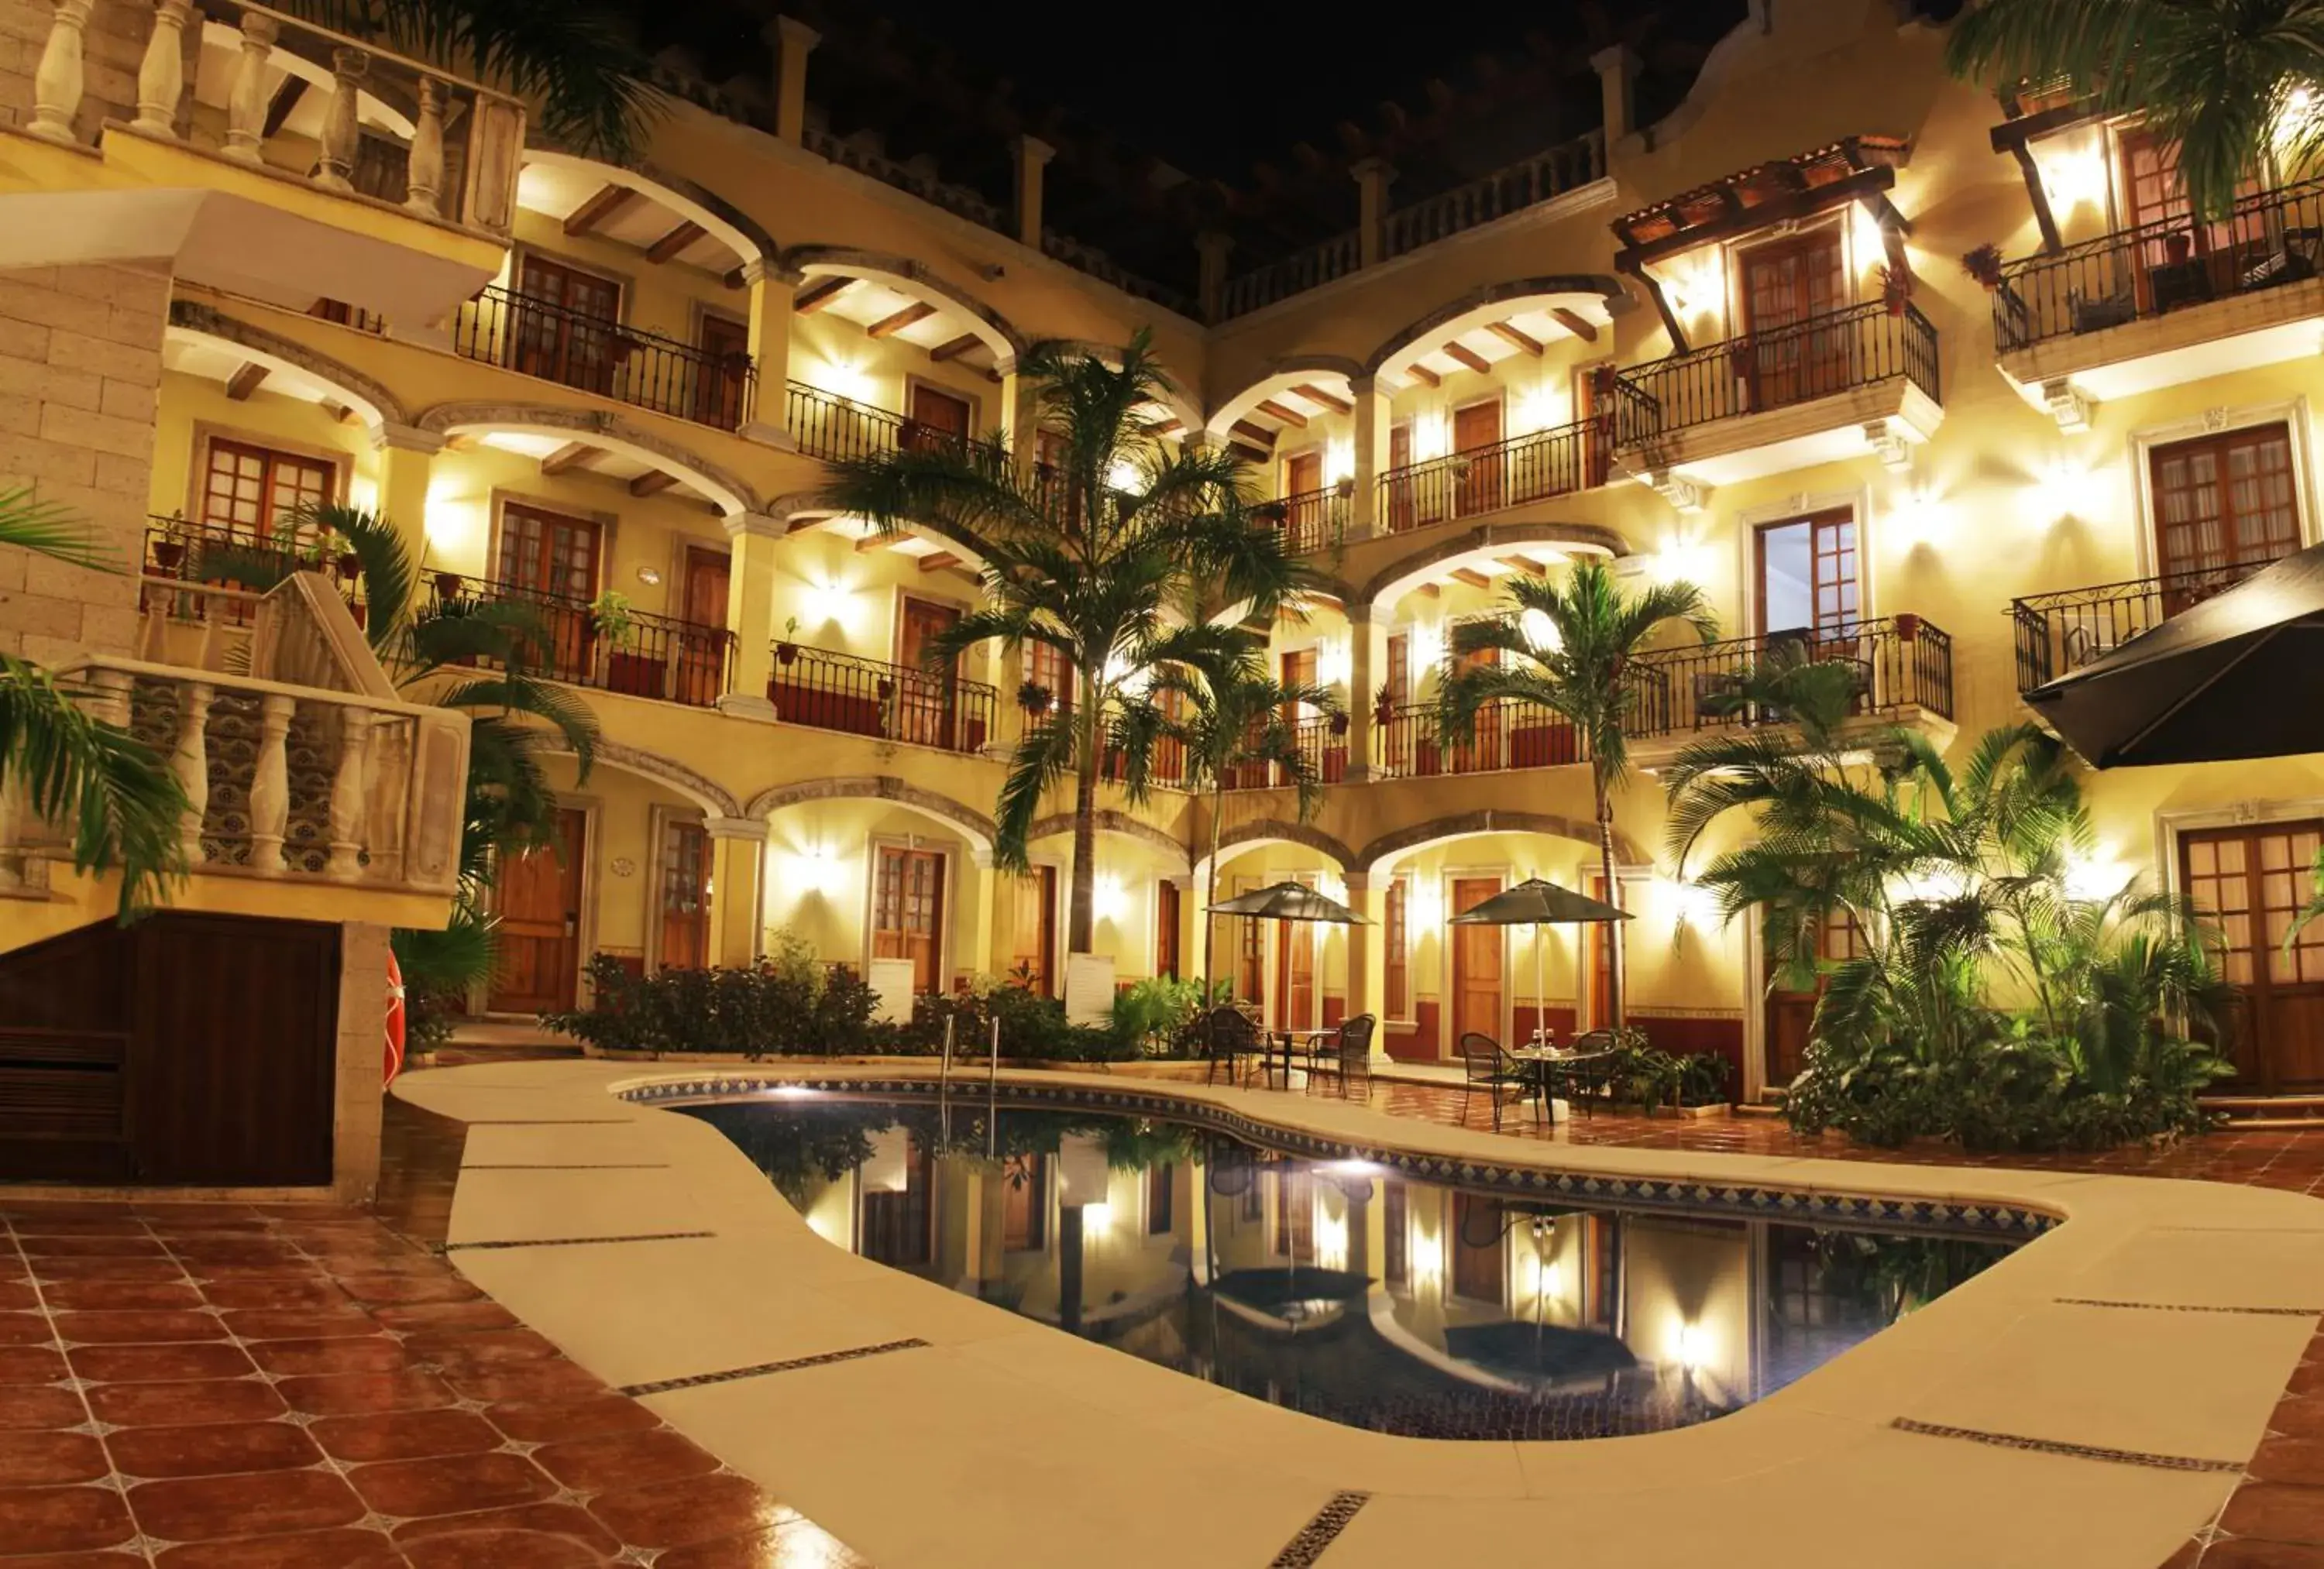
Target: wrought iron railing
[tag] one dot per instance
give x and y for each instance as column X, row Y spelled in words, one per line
column 183, row 557
column 1833, row 352
column 1532, row 467
column 539, row 337
column 1901, row 662
column 1507, row 734
column 1312, row 520
column 2270, row 238
column 832, row 691
column 656, row 657
column 1322, row 742
column 825, row 425
column 2059, row 633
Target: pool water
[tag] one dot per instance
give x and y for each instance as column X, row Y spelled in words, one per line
column 1338, row 1288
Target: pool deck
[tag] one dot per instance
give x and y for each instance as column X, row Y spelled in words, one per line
column 2092, row 1401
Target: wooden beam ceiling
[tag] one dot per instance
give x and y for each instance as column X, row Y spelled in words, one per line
column 937, row 560
column 677, row 240
column 346, row 415
column 1524, row 564
column 1274, row 411
column 1468, row 356
column 599, row 208
column 571, row 455
column 888, row 326
column 244, row 380
column 1578, row 326
column 1166, row 426
column 1510, row 333
column 653, row 481
column 820, row 293
column 953, row 348
column 1250, row 454
column 1471, row 576
column 1317, row 395
column 1422, row 374
column 279, row 108
column 1257, row 435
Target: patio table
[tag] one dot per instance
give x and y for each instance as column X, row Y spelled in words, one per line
column 1541, row 1064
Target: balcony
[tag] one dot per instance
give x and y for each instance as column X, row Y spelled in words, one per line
column 2059, row 633
column 1507, row 735
column 1829, row 387
column 1313, row 521
column 655, row 657
column 1321, row 743
column 831, row 691
column 827, row 425
column 1904, row 669
column 2164, row 304
column 274, row 158
column 1534, row 467
column 538, row 337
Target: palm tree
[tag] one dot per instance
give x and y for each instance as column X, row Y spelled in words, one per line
column 123, row 803
column 1571, row 643
column 575, row 61
column 2231, row 81
column 509, row 808
column 1230, row 716
column 1092, row 557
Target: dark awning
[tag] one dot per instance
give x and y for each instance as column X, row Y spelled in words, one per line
column 2239, row 675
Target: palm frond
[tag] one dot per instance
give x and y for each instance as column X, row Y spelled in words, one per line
column 52, row 529
column 124, row 805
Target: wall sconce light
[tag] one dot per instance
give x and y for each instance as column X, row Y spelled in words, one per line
column 1108, row 899
column 650, row 576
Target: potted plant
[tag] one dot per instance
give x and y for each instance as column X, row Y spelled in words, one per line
column 1984, row 264
column 786, row 650
column 1033, row 697
column 448, row 585
column 1273, row 513
column 1339, row 724
column 1344, row 487
column 169, row 545
column 1383, row 707
column 637, row 675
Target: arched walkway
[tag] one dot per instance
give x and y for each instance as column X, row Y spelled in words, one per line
column 802, row 509
column 1280, row 382
column 194, row 324
column 972, row 825
column 712, row 797
column 560, row 185
column 612, row 432
column 1118, row 824
column 1591, row 297
column 1403, row 841
column 1266, row 830
column 1487, row 542
column 959, row 311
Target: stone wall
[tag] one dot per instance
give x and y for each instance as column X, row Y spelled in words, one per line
column 80, row 366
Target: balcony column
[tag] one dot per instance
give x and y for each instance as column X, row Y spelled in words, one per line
column 246, row 104
column 1617, row 80
column 335, row 161
column 1372, row 175
column 1012, row 415
column 750, row 612
column 1367, row 657
column 1029, row 156
column 423, row 185
column 738, row 889
column 190, row 764
column 1367, row 975
column 58, row 79
column 1372, row 444
column 404, row 456
column 973, row 922
column 772, row 291
column 349, row 795
column 270, row 785
column 161, row 76
column 1212, row 248
column 794, row 40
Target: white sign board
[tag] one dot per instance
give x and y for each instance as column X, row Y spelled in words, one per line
column 1088, row 988
column 891, row 984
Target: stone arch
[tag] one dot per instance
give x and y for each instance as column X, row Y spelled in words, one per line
column 1177, row 399
column 1598, row 286
column 803, row 508
column 1109, row 821
column 378, row 406
column 1441, row 556
column 919, row 279
column 973, row 825
column 1279, row 831
column 1274, row 376
column 728, row 492
column 712, row 797
column 732, row 228
column 1470, row 824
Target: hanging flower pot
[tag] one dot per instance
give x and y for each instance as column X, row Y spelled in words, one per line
column 348, row 565
column 448, row 585
column 1344, row 487
column 887, row 689
column 1908, row 627
column 1984, row 265
column 1339, row 724
column 1033, row 697
column 785, row 653
column 169, row 553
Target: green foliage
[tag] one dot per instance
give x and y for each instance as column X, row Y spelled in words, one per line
column 1643, row 1075
column 123, row 804
column 439, row 969
column 1158, row 1013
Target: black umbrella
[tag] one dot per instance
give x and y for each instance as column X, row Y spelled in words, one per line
column 1288, row 902
column 2239, row 675
column 1538, row 903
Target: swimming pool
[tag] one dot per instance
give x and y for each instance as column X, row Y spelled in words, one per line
column 1345, row 1289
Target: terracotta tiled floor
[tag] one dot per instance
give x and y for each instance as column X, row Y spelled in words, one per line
column 278, row 1387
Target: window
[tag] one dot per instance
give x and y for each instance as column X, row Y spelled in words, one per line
column 1787, row 287
column 1046, row 668
column 1033, row 930
column 720, row 388
column 684, row 895
column 1161, row 1189
column 1395, row 968
column 549, row 553
column 567, row 322
column 907, row 912
column 2223, row 504
column 254, row 491
column 1807, row 569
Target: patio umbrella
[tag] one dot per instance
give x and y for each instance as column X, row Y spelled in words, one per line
column 1288, row 902
column 2239, row 675
column 1536, row 902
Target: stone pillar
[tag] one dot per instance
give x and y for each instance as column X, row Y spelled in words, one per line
column 1212, row 247
column 406, row 454
column 773, row 290
column 738, row 884
column 973, row 919
column 1372, row 175
column 1367, row 660
column 1617, row 80
column 794, row 40
column 1372, row 451
column 1015, row 432
column 1367, row 976
column 750, row 612
column 1029, row 155
column 360, row 1055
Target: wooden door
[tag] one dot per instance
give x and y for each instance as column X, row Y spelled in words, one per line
column 1294, row 1216
column 1169, row 907
column 1398, row 748
column 2250, row 882
column 1476, row 963
column 907, row 905
column 1034, row 929
column 1590, row 419
column 721, row 394
column 1480, row 1248
column 1790, row 1015
column 898, row 1225
column 567, row 322
column 2224, row 505
column 537, row 899
column 1482, row 751
column 1807, row 582
column 552, row 561
column 1599, row 937
column 702, row 641
column 1303, row 490
column 1250, row 950
column 2180, row 261
column 1787, row 286
column 927, row 702
column 1476, row 435
column 1025, row 1204
column 255, row 493
column 1403, row 495
column 685, row 897
column 938, row 419
column 1395, row 940
column 1295, row 976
